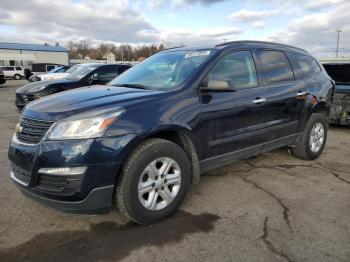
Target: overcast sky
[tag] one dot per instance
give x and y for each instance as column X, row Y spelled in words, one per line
column 310, row 24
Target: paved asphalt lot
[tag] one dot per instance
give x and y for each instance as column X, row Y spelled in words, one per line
column 270, row 208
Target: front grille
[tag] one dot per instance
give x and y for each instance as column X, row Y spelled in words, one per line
column 24, row 99
column 31, row 131
column 21, row 174
column 20, row 99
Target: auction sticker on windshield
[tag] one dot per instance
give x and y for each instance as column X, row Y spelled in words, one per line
column 197, row 53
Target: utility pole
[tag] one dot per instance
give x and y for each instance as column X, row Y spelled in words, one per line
column 338, row 31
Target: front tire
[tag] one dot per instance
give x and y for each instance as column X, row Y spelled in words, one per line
column 153, row 182
column 314, row 138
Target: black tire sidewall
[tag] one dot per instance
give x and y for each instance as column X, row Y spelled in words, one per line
column 131, row 179
column 17, row 77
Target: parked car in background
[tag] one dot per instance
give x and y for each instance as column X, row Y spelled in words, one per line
column 14, row 72
column 87, row 74
column 145, row 137
column 43, row 68
column 2, row 78
column 56, row 73
column 340, row 111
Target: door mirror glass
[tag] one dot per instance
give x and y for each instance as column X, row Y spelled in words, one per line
column 94, row 79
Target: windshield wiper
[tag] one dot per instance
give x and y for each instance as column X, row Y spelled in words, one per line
column 138, row 86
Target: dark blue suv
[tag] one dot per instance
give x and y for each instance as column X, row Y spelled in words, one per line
column 144, row 138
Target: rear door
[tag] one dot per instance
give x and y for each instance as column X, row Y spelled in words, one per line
column 9, row 71
column 282, row 93
column 306, row 70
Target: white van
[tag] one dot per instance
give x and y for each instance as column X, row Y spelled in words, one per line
column 16, row 72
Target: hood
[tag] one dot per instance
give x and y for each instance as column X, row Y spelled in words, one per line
column 80, row 100
column 53, row 76
column 26, row 89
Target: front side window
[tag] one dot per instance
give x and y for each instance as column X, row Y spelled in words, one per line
column 163, row 71
column 18, row 68
column 238, row 68
column 304, row 66
column 106, row 73
column 275, row 67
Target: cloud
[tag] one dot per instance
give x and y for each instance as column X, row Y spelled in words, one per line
column 245, row 16
column 158, row 4
column 316, row 5
column 214, row 35
column 107, row 20
column 317, row 32
column 259, row 24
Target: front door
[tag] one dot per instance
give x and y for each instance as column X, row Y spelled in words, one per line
column 235, row 121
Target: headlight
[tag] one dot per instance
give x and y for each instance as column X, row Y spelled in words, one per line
column 87, row 127
column 37, row 88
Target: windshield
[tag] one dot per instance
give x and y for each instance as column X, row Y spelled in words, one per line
column 163, row 71
column 73, row 68
column 81, row 72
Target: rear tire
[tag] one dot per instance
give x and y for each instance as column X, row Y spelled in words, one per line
column 313, row 140
column 154, row 181
column 17, row 76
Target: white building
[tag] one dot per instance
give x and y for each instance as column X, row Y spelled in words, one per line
column 14, row 54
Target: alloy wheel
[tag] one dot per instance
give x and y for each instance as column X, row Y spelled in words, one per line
column 159, row 184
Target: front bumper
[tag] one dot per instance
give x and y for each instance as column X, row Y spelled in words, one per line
column 98, row 201
column 92, row 192
column 23, row 99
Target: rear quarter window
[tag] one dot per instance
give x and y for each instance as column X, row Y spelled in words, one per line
column 304, row 66
column 275, row 66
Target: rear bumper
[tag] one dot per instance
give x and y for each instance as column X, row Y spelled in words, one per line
column 98, row 201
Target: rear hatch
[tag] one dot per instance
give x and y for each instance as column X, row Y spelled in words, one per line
column 340, row 110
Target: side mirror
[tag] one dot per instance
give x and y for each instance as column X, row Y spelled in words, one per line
column 94, row 79
column 218, row 86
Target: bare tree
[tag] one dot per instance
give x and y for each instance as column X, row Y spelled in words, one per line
column 123, row 52
column 83, row 47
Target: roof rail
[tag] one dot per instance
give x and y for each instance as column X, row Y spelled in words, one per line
column 257, row 42
column 173, row 47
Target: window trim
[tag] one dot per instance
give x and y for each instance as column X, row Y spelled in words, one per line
column 266, row 83
column 227, row 53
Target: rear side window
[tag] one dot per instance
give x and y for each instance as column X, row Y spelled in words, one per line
column 275, row 67
column 238, row 68
column 9, row 68
column 304, row 66
column 122, row 68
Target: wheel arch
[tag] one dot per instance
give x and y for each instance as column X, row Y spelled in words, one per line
column 176, row 134
column 321, row 107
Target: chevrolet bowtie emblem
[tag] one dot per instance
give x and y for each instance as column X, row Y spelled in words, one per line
column 19, row 128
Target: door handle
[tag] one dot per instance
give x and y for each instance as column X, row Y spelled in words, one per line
column 259, row 100
column 301, row 93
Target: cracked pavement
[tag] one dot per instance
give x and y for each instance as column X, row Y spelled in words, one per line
column 273, row 207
